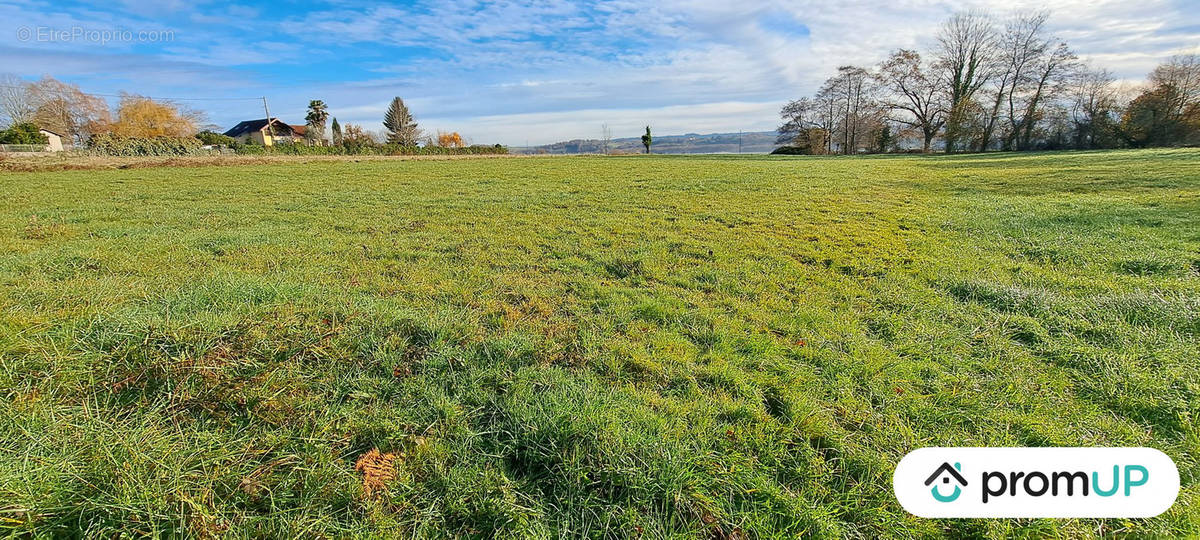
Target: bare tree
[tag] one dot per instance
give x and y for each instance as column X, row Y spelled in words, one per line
column 965, row 57
column 1093, row 108
column 856, row 114
column 1015, row 52
column 798, row 116
column 804, row 126
column 64, row 109
column 827, row 116
column 1040, row 69
column 16, row 104
column 914, row 90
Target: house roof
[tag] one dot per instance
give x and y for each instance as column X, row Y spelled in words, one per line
column 946, row 468
column 250, row 126
column 299, row 131
column 55, row 133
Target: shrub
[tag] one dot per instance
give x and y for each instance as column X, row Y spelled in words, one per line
column 249, row 149
column 116, row 145
column 216, row 139
column 23, row 133
column 360, row 148
column 300, row 149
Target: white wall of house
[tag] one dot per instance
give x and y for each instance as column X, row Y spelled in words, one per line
column 54, row 143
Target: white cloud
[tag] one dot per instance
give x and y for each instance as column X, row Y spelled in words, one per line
column 548, row 70
column 718, row 53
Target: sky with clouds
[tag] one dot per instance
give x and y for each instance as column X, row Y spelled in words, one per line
column 526, row 72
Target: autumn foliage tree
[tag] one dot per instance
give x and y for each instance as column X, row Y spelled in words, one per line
column 354, row 138
column 64, row 109
column 450, row 140
column 142, row 117
column 1153, row 119
column 1167, row 113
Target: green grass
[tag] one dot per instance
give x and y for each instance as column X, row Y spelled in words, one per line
column 600, row 347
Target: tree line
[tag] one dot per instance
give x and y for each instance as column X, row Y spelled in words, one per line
column 140, row 124
column 66, row 110
column 993, row 85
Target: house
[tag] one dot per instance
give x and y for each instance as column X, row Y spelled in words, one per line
column 265, row 133
column 301, row 134
column 54, row 141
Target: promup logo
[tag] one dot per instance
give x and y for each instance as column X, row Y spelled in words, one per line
column 946, row 473
column 1036, row 482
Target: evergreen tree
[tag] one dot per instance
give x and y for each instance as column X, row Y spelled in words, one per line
column 399, row 123
column 647, row 140
column 337, row 132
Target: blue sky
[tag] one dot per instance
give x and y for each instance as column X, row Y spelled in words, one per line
column 518, row 72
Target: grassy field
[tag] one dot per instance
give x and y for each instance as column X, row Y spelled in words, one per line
column 716, row 347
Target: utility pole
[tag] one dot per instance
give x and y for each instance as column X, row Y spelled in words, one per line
column 270, row 124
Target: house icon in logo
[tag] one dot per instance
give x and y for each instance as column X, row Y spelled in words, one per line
column 946, row 473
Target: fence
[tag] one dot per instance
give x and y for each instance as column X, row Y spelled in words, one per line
column 22, row 148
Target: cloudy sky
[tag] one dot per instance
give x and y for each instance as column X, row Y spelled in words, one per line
column 525, row 72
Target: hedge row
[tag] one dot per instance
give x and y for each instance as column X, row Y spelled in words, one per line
column 116, row 145
column 367, row 150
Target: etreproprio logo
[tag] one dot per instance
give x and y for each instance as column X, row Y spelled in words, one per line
column 946, row 472
column 1036, row 482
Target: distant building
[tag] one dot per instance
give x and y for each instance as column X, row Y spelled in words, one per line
column 54, row 141
column 264, row 133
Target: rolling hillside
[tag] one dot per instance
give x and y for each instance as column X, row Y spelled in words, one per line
column 759, row 142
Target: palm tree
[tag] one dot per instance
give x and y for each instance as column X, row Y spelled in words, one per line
column 316, row 117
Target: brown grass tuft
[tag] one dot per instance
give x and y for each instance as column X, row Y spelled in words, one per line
column 377, row 469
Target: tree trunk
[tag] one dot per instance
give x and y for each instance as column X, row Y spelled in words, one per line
column 1032, row 110
column 985, row 138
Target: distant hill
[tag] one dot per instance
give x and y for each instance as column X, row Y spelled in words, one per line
column 758, row 142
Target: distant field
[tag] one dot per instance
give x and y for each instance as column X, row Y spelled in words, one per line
column 716, row 347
